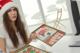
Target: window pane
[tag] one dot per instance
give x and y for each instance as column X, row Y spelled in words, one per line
column 31, row 11
column 50, row 8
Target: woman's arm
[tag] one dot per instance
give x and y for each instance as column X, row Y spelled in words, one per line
column 3, row 45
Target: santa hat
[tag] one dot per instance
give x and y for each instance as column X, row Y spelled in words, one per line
column 7, row 6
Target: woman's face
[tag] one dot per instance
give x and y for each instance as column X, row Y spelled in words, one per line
column 12, row 14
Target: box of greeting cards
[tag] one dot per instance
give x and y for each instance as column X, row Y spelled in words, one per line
column 48, row 35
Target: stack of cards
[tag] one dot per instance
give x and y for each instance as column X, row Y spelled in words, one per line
column 48, row 35
column 30, row 49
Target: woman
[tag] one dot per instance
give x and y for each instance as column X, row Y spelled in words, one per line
column 13, row 25
column 14, row 30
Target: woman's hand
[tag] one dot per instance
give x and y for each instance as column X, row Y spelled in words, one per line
column 32, row 36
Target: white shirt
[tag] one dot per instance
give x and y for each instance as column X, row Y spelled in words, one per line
column 9, row 45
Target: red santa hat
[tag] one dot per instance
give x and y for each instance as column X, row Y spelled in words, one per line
column 7, row 6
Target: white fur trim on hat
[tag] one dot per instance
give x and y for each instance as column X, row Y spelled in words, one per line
column 8, row 6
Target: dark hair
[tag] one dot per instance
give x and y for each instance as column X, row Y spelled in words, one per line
column 20, row 27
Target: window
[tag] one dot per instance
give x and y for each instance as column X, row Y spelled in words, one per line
column 50, row 7
column 31, row 11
